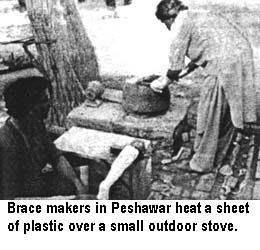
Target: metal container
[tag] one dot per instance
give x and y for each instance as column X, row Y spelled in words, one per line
column 139, row 98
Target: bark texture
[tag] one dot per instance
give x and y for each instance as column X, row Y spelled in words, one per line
column 66, row 55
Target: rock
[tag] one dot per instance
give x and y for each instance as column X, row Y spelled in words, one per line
column 176, row 190
column 186, row 194
column 166, row 177
column 110, row 117
column 231, row 181
column 185, row 137
column 206, row 182
column 166, row 161
column 256, row 194
column 159, row 186
column 200, row 195
column 226, row 170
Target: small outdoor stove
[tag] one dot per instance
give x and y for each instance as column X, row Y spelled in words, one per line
column 139, row 98
column 97, row 127
column 135, row 111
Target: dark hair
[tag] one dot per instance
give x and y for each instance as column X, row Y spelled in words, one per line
column 22, row 94
column 169, row 9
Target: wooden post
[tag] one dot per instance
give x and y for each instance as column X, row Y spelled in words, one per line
column 65, row 53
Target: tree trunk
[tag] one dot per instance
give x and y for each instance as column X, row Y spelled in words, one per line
column 66, row 54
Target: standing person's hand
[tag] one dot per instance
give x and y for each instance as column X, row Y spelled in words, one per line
column 159, row 84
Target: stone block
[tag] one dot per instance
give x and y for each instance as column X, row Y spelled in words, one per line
column 206, row 182
column 159, row 186
column 166, row 176
column 231, row 181
column 192, row 183
column 200, row 195
column 184, row 180
column 256, row 193
column 257, row 175
column 186, row 137
column 98, row 118
column 176, row 190
column 186, row 194
column 155, row 196
column 110, row 117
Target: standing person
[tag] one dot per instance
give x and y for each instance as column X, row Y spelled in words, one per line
column 228, row 94
column 127, row 2
column 25, row 147
column 22, row 5
column 111, row 4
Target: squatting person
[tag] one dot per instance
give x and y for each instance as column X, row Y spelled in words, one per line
column 25, row 147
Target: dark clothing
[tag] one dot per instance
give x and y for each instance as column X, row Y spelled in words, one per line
column 112, row 3
column 22, row 159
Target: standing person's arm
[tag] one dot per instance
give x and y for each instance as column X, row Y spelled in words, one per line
column 181, row 36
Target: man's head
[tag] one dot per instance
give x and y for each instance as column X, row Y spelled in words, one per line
column 167, row 11
column 28, row 96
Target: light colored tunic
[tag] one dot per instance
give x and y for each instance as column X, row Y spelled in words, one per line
column 204, row 36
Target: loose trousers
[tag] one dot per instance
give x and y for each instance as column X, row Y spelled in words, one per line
column 214, row 127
